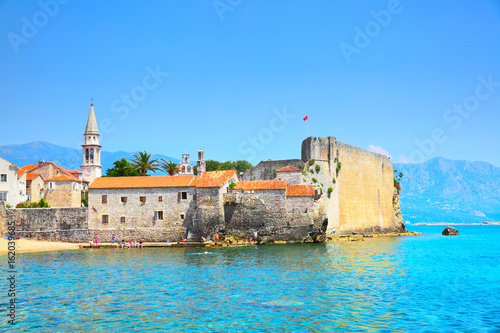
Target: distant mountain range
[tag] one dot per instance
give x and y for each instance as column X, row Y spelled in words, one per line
column 68, row 158
column 442, row 190
column 438, row 190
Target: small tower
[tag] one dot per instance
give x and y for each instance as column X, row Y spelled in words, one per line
column 185, row 168
column 201, row 162
column 91, row 166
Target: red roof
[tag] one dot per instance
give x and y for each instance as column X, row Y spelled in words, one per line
column 32, row 175
column 75, row 171
column 213, row 178
column 261, row 185
column 288, row 169
column 300, row 191
column 20, row 172
column 62, row 178
column 141, row 182
column 67, row 173
column 30, row 167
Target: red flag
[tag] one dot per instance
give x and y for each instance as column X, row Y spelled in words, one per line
column 306, row 118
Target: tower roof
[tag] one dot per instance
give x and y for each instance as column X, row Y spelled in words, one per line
column 91, row 123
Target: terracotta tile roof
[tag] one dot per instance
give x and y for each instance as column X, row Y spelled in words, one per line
column 300, row 191
column 62, row 178
column 261, row 185
column 20, row 172
column 75, row 171
column 213, row 178
column 141, row 182
column 68, row 174
column 288, row 169
column 32, row 175
column 30, row 167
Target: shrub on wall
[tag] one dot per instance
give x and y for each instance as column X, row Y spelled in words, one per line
column 232, row 185
column 330, row 190
column 339, row 166
column 334, row 180
column 311, row 161
column 317, row 168
column 40, row 204
column 314, row 180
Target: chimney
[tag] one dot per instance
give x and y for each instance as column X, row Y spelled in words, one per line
column 40, row 162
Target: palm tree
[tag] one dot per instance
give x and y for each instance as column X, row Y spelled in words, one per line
column 169, row 167
column 143, row 164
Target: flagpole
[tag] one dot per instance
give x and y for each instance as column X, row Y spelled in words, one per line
column 308, row 126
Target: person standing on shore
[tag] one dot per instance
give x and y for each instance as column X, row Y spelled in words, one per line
column 113, row 240
column 255, row 236
column 216, row 237
column 96, row 240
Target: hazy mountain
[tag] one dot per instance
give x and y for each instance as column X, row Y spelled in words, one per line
column 442, row 190
column 68, row 158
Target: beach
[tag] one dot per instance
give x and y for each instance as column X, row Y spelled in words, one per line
column 25, row 245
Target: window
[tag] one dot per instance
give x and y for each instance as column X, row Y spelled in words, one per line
column 184, row 195
column 159, row 215
column 104, row 198
column 105, row 219
column 3, row 196
column 142, row 199
column 52, row 185
column 3, row 178
column 160, row 198
column 75, row 187
column 124, row 199
column 182, row 217
column 122, row 219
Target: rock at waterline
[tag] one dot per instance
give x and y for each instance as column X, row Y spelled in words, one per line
column 449, row 231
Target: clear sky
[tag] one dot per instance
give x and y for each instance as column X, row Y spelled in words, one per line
column 417, row 79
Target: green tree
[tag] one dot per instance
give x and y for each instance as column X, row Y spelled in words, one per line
column 211, row 165
column 170, row 167
column 122, row 168
column 143, row 163
column 85, row 199
column 240, row 166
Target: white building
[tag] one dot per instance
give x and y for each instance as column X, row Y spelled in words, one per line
column 185, row 168
column 12, row 183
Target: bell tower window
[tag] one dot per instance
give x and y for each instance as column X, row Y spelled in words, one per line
column 91, row 155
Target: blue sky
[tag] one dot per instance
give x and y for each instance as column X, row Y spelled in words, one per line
column 236, row 77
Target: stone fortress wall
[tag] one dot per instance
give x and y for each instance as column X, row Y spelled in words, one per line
column 52, row 224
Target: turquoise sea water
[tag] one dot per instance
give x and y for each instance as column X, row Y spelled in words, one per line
column 428, row 283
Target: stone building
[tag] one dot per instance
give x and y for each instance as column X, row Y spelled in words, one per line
column 292, row 175
column 58, row 186
column 157, row 208
column 273, row 209
column 91, row 165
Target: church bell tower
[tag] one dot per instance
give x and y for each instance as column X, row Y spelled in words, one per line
column 91, row 166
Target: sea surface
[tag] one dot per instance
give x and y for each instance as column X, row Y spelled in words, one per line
column 427, row 283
